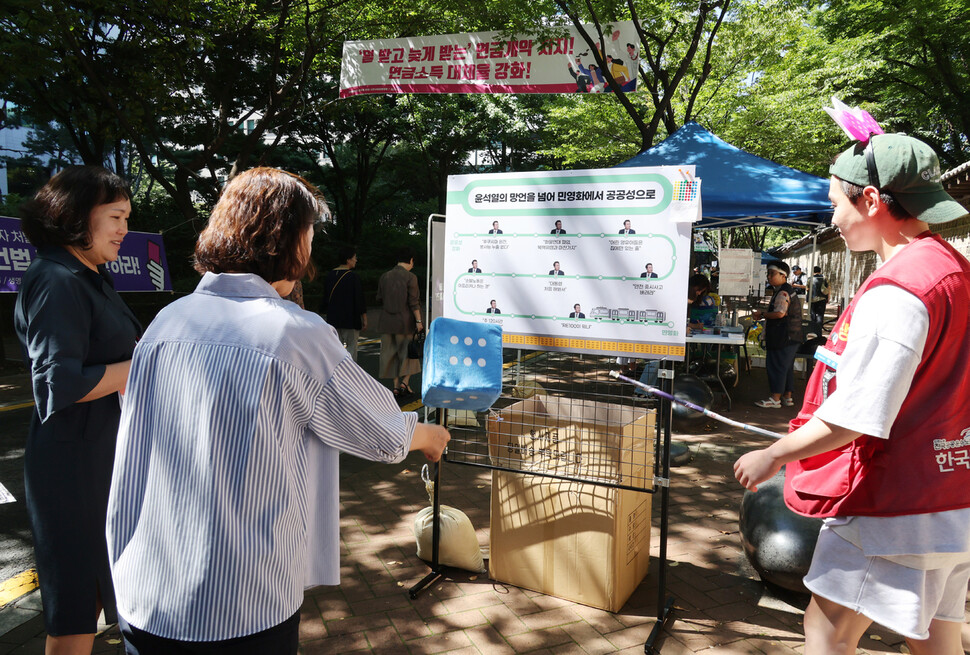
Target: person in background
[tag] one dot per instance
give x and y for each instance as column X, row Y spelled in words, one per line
column 702, row 308
column 78, row 336
column 818, row 299
column 799, row 283
column 342, row 303
column 783, row 336
column 879, row 448
column 399, row 320
column 225, row 495
column 701, row 314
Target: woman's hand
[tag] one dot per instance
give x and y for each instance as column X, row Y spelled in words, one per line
column 431, row 440
column 115, row 379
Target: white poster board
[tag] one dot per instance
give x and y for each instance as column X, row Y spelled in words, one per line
column 735, row 277
column 760, row 276
column 592, row 261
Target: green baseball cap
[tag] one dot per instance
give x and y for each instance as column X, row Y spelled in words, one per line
column 907, row 168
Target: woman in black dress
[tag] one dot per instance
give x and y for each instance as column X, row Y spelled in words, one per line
column 78, row 336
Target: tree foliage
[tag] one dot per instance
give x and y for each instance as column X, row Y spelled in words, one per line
column 184, row 95
column 677, row 40
column 176, row 82
column 775, row 71
column 919, row 57
column 697, row 60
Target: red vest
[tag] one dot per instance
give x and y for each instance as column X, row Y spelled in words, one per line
column 924, row 465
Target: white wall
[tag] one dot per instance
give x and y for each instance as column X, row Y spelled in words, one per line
column 831, row 256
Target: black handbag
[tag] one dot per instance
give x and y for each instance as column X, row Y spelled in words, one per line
column 416, row 346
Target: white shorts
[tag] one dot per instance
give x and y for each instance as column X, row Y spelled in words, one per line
column 900, row 598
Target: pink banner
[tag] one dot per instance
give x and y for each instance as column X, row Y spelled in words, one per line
column 484, row 62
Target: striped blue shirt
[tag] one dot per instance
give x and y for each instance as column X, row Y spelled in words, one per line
column 224, row 497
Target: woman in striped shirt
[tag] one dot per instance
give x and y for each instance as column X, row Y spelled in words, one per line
column 224, row 502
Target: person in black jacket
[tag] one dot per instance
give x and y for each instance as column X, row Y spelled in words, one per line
column 343, row 301
column 783, row 336
column 78, row 336
column 819, row 298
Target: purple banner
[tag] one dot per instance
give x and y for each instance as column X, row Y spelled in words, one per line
column 141, row 263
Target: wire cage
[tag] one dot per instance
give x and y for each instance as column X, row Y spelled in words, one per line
column 561, row 415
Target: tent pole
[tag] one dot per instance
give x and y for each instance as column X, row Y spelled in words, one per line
column 814, row 263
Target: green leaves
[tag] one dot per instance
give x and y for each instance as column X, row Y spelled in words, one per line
column 919, row 78
column 189, row 93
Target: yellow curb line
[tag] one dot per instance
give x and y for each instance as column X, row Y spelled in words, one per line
column 17, row 586
column 7, row 408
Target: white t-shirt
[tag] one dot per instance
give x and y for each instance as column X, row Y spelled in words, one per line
column 886, row 339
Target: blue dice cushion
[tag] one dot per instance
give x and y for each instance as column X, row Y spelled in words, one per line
column 462, row 365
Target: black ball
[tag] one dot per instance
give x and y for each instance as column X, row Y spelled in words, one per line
column 778, row 542
column 690, row 388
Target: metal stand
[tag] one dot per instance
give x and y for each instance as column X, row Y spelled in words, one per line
column 437, row 570
column 661, row 480
column 662, row 471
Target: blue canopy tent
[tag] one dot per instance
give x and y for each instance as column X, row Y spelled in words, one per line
column 738, row 188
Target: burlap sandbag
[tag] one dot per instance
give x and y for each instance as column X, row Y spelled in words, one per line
column 458, row 544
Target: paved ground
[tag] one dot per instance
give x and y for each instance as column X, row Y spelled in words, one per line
column 720, row 604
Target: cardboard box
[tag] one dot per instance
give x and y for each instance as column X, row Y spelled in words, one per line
column 586, row 543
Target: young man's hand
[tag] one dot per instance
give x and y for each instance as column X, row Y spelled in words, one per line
column 755, row 467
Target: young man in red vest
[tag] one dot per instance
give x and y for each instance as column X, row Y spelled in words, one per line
column 881, row 447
